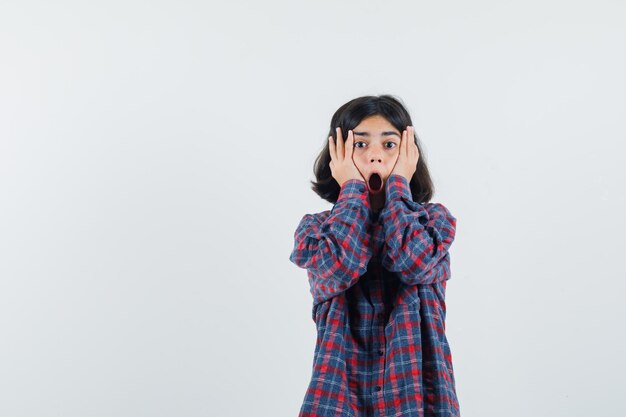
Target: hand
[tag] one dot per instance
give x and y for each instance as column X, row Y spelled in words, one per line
column 341, row 165
column 406, row 164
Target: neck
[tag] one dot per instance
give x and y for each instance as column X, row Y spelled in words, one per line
column 377, row 201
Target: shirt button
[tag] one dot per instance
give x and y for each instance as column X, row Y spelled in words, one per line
column 380, row 353
column 378, row 388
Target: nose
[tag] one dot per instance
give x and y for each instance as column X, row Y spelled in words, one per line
column 375, row 155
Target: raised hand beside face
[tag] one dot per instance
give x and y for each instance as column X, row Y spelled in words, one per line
column 342, row 166
column 408, row 155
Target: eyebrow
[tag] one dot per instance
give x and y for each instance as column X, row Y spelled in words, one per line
column 366, row 134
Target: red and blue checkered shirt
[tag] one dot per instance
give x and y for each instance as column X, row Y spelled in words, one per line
column 378, row 282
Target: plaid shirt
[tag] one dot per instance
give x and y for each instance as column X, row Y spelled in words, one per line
column 378, row 282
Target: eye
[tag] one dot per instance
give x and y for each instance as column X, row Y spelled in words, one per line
column 393, row 144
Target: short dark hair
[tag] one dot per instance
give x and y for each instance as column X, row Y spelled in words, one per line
column 347, row 117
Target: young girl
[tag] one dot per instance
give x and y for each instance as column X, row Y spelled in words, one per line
column 377, row 265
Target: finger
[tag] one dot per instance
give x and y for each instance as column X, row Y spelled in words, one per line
column 413, row 143
column 350, row 144
column 403, row 146
column 340, row 150
column 331, row 148
column 409, row 141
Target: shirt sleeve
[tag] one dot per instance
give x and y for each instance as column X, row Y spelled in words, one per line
column 335, row 248
column 417, row 236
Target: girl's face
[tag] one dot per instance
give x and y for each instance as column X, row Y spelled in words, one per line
column 376, row 150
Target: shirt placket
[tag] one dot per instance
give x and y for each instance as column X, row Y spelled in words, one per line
column 377, row 353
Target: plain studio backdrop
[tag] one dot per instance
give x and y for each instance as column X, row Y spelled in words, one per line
column 155, row 160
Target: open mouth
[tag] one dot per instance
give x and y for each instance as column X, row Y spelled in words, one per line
column 375, row 183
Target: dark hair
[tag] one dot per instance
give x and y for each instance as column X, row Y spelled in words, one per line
column 347, row 117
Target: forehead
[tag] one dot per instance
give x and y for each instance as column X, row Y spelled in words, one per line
column 375, row 123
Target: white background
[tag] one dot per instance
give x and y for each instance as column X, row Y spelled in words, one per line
column 155, row 159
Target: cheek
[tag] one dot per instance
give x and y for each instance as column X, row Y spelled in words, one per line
column 359, row 161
